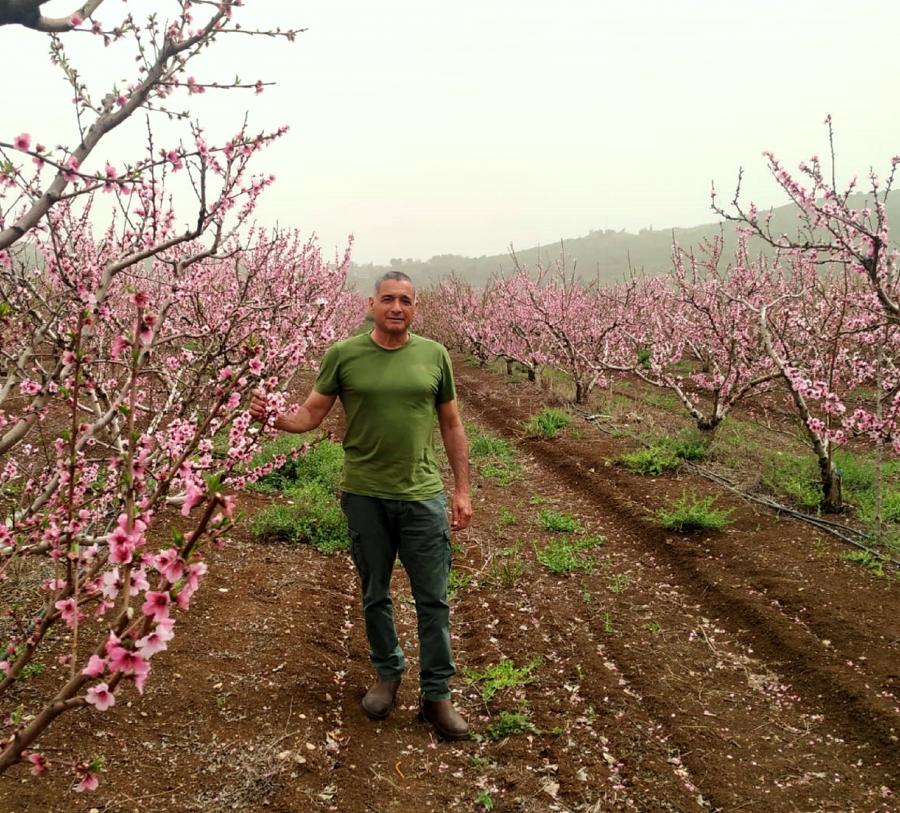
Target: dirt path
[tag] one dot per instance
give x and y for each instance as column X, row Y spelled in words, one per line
column 745, row 671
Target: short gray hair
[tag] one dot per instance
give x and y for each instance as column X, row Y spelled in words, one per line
column 396, row 276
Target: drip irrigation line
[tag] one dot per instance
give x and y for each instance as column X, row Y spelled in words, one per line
column 843, row 532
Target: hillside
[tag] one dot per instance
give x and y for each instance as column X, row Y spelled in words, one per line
column 603, row 253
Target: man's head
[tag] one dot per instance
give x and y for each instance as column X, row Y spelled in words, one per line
column 394, row 303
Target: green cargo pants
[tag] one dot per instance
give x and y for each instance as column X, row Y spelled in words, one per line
column 417, row 531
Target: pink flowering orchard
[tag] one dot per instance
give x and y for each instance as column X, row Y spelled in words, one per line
column 813, row 325
column 854, row 241
column 129, row 349
column 701, row 312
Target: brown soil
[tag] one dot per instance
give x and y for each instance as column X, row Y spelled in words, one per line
column 748, row 670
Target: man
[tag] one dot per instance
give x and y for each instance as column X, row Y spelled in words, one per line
column 392, row 384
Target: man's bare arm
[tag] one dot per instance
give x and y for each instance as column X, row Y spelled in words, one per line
column 300, row 418
column 454, row 437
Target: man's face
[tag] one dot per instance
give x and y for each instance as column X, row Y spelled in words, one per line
column 394, row 306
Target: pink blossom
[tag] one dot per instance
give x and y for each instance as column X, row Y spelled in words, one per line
column 22, row 141
column 123, row 542
column 100, row 697
column 29, row 387
column 76, row 20
column 119, row 343
column 157, row 605
column 158, row 639
column 127, row 661
column 169, row 564
column 140, row 299
column 89, row 782
column 193, row 87
column 145, row 334
column 139, row 581
column 194, row 496
column 69, row 611
column 39, row 764
column 195, row 572
column 96, row 666
column 110, row 583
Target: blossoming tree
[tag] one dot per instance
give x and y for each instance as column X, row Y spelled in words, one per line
column 127, row 350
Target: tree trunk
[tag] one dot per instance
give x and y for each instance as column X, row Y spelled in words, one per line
column 832, row 500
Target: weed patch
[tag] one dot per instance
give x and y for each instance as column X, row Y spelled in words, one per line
column 323, row 463
column 547, row 424
column 652, row 460
column 313, row 516
column 866, row 560
column 558, row 521
column 494, row 456
column 457, row 581
column 507, row 724
column 506, row 517
column 506, row 572
column 502, row 675
column 693, row 513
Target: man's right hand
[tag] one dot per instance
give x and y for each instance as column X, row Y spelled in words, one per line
column 258, row 404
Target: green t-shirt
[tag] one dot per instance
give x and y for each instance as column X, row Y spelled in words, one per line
column 390, row 399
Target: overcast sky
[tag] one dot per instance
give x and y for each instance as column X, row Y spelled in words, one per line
column 427, row 128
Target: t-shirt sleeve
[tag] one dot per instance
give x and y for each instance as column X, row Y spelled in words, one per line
column 328, row 381
column 446, row 388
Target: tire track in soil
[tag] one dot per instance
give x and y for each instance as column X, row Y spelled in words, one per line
column 830, row 696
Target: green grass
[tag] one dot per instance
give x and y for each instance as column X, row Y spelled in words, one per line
column 566, row 554
column 507, row 724
column 558, row 521
column 866, row 560
column 502, row 675
column 797, row 476
column 314, row 517
column 547, row 424
column 456, row 581
column 494, row 457
column 505, row 518
column 323, row 462
column 652, row 460
column 692, row 513
column 506, row 572
column 665, row 454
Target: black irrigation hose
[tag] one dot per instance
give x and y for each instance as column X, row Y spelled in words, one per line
column 836, row 529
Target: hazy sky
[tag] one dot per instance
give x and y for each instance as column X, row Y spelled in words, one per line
column 426, row 128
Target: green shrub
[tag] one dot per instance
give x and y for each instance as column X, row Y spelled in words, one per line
column 547, row 424
column 693, row 513
column 652, row 460
column 687, row 446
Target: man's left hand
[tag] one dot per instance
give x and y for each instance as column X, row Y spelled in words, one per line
column 461, row 511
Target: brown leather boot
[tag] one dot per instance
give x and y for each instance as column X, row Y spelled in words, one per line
column 379, row 700
column 447, row 721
